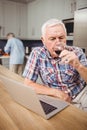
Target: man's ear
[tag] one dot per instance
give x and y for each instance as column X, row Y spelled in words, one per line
column 42, row 39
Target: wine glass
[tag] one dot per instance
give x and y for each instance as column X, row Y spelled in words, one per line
column 60, row 47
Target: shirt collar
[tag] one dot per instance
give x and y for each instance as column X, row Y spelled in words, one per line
column 54, row 60
column 47, row 53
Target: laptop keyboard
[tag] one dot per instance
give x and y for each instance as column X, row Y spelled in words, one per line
column 47, row 107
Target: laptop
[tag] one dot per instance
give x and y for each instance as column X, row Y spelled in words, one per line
column 43, row 105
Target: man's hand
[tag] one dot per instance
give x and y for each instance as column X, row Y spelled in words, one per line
column 69, row 57
column 62, row 95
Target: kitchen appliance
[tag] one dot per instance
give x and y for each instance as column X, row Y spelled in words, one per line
column 80, row 29
column 69, row 24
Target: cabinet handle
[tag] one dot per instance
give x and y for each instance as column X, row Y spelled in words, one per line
column 3, row 31
column 0, row 30
column 73, row 7
column 19, row 32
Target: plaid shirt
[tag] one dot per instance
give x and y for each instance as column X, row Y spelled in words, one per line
column 53, row 73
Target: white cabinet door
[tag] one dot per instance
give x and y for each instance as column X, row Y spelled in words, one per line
column 13, row 18
column 9, row 18
column 70, row 7
column 1, row 20
column 81, row 4
column 22, row 20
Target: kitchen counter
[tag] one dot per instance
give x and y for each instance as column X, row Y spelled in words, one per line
column 4, row 57
column 4, row 60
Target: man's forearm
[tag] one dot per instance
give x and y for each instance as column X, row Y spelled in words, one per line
column 83, row 72
column 41, row 89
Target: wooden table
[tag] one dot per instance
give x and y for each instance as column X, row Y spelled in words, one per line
column 15, row 117
column 6, row 72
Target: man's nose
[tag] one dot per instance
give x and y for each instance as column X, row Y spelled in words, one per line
column 57, row 40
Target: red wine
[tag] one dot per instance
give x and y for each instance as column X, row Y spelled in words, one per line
column 58, row 51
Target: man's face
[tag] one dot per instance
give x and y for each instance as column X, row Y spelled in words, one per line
column 54, row 36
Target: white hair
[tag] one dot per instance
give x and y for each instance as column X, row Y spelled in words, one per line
column 51, row 22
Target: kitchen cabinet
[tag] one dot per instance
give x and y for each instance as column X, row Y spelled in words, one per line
column 69, row 8
column 9, row 18
column 81, row 4
column 72, row 5
column 1, row 20
column 13, row 19
column 61, row 9
column 21, row 20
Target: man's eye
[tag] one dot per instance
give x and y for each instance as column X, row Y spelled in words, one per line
column 61, row 37
column 52, row 39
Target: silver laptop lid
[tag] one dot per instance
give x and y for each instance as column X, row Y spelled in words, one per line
column 26, row 96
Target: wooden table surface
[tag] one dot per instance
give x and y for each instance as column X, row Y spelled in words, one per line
column 15, row 117
column 6, row 72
